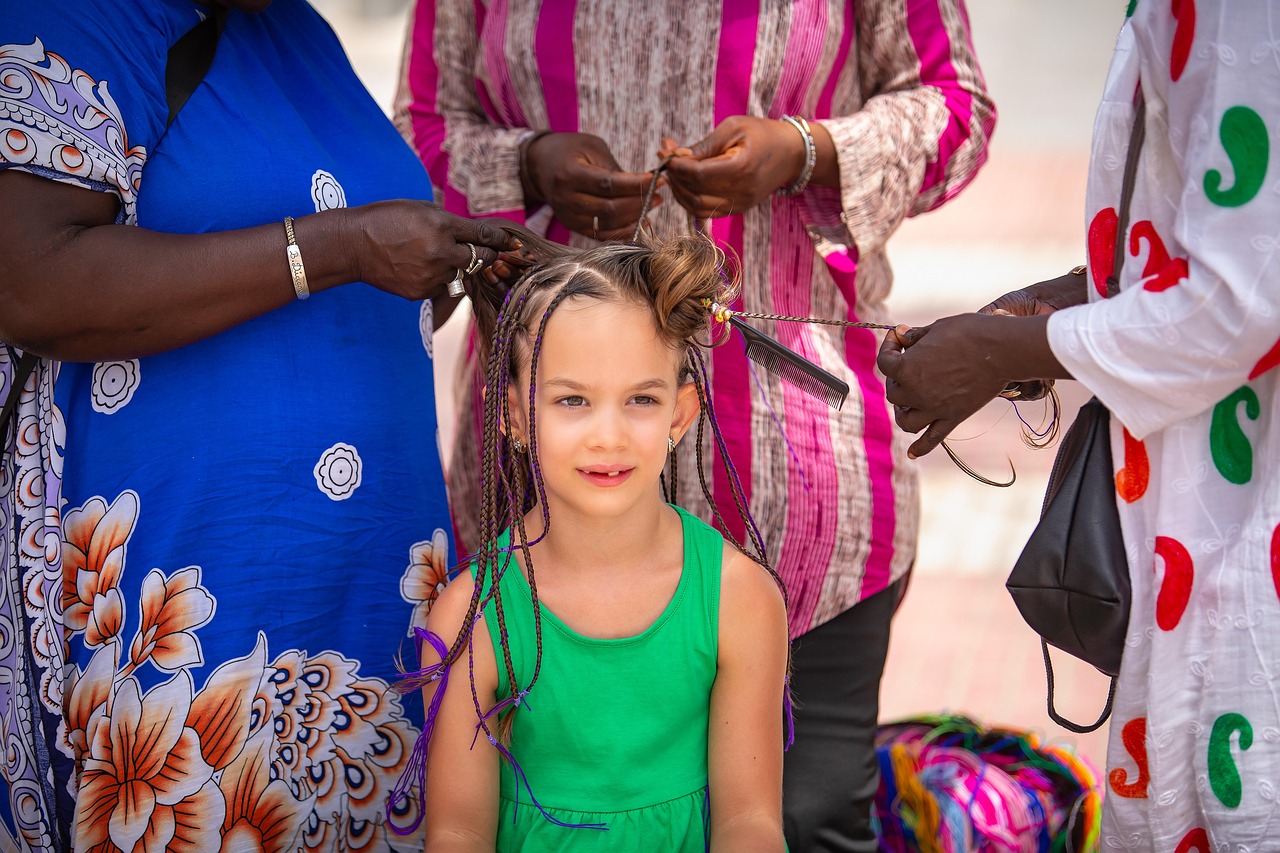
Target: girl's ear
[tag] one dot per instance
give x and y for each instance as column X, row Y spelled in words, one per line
column 518, row 428
column 686, row 412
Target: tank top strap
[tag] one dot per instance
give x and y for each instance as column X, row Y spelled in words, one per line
column 693, row 615
column 703, row 558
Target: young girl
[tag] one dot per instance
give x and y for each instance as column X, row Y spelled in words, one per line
column 629, row 693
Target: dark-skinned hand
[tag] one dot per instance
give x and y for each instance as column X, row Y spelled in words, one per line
column 489, row 287
column 588, row 191
column 414, row 249
column 1043, row 297
column 738, row 165
column 937, row 376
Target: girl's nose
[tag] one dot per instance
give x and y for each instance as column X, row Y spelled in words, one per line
column 608, row 431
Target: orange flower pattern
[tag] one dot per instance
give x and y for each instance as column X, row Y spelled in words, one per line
column 94, row 538
column 295, row 753
column 425, row 577
column 171, row 608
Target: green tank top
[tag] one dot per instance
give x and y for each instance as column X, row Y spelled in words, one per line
column 615, row 730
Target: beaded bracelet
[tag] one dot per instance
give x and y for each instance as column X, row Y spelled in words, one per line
column 810, row 156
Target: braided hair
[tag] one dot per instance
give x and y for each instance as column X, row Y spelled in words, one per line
column 674, row 278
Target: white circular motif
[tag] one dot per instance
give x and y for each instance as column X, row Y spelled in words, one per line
column 339, row 471
column 426, row 325
column 326, row 192
column 113, row 384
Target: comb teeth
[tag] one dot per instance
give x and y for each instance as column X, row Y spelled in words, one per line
column 792, row 367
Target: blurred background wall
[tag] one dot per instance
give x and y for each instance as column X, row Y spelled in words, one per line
column 959, row 645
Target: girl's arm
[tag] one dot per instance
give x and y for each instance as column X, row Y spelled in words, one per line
column 744, row 749
column 462, row 780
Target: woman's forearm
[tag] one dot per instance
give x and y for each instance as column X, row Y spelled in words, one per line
column 81, row 290
column 76, row 287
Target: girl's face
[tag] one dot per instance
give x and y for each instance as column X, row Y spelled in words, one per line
column 608, row 398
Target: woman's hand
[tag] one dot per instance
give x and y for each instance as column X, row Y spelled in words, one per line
column 588, row 191
column 740, row 164
column 938, row 375
column 414, row 249
column 1043, row 297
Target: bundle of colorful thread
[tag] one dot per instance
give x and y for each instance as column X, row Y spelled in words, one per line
column 949, row 785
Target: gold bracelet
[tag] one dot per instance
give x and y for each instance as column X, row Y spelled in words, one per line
column 1079, row 269
column 294, row 256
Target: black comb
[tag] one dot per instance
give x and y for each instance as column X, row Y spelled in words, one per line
column 791, row 366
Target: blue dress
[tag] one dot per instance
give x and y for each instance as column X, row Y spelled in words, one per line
column 212, row 556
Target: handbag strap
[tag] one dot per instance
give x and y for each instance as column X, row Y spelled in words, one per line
column 189, row 60
column 1136, row 137
column 21, row 371
column 1063, row 721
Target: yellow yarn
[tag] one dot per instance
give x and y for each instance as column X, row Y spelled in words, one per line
column 919, row 809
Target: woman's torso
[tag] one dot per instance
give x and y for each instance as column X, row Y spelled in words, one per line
column 276, row 501
column 1195, row 712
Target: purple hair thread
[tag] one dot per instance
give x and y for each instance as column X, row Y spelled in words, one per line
column 415, row 771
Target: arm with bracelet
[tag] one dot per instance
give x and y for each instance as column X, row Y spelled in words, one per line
column 128, row 306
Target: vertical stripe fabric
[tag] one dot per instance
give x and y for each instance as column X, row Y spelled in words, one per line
column 898, row 89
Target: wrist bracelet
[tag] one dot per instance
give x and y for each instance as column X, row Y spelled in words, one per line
column 522, row 161
column 810, row 156
column 294, row 256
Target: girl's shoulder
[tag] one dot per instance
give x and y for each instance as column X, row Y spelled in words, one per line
column 744, row 583
column 449, row 611
column 753, row 617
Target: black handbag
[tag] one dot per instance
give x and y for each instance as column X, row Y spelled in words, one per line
column 1071, row 582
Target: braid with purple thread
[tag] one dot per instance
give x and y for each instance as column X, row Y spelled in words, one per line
column 512, row 485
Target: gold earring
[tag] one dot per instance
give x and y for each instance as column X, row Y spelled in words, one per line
column 671, row 444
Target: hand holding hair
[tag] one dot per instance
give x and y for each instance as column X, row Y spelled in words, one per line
column 588, row 191
column 744, row 161
column 1043, row 297
column 939, row 375
column 412, row 248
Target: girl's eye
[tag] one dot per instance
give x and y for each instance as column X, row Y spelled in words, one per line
column 571, row 402
column 644, row 400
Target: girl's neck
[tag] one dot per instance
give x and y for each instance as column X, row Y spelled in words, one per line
column 580, row 543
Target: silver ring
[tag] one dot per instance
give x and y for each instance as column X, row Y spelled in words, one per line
column 595, row 227
column 476, row 263
column 455, row 286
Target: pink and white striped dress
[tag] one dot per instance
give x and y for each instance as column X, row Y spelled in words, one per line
column 899, row 89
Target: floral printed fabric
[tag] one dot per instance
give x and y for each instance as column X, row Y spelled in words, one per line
column 1185, row 357
column 210, row 558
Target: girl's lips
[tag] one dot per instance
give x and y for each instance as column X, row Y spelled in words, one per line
column 604, row 478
